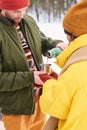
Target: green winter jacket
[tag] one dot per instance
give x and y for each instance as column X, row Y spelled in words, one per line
column 16, row 80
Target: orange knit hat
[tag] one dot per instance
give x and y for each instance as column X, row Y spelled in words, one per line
column 13, row 4
column 75, row 20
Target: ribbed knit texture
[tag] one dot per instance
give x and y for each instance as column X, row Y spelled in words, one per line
column 14, row 4
column 26, row 49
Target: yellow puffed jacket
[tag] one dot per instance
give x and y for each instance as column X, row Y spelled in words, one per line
column 66, row 97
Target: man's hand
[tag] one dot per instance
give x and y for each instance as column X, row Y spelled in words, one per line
column 40, row 77
column 62, row 45
column 37, row 79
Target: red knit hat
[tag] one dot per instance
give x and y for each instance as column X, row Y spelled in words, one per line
column 14, row 4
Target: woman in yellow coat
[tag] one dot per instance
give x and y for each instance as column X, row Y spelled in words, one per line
column 66, row 98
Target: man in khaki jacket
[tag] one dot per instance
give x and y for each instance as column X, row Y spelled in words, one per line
column 21, row 48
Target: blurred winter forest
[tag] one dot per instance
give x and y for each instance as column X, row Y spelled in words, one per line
column 49, row 10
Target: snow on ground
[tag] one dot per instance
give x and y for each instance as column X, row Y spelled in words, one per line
column 55, row 31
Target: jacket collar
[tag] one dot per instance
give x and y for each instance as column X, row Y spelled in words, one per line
column 79, row 42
